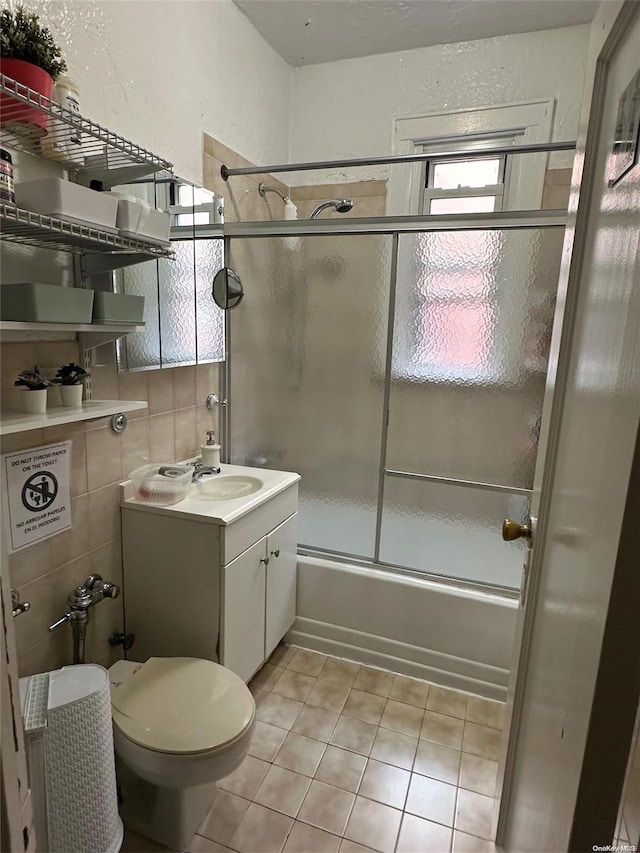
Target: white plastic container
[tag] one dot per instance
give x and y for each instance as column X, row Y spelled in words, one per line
column 64, row 143
column 57, row 197
column 161, row 489
column 137, row 219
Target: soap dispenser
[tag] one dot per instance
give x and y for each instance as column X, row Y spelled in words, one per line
column 211, row 452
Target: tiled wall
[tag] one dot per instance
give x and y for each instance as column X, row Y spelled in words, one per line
column 170, row 429
column 557, row 185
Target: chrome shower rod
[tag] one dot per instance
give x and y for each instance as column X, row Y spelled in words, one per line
column 536, row 148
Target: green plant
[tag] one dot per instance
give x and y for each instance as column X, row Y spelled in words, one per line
column 34, row 379
column 22, row 37
column 71, row 374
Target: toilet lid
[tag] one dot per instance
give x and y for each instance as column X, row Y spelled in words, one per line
column 182, row 705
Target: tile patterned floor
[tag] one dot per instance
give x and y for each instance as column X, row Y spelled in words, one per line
column 350, row 759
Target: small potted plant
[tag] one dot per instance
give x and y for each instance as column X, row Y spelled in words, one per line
column 30, row 56
column 70, row 378
column 36, row 383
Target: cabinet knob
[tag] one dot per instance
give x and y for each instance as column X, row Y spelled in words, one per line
column 275, row 553
column 264, row 560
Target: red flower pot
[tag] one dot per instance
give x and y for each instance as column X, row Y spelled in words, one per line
column 17, row 112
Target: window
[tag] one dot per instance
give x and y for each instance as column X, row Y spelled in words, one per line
column 476, row 185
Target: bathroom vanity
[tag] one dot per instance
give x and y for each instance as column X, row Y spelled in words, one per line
column 214, row 575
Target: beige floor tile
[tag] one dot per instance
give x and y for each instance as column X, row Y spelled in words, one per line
column 482, row 741
column 266, row 741
column 317, row 723
column 385, row 784
column 394, row 748
column 330, row 693
column 478, row 774
column 224, row 818
column 373, row 825
column 355, row 735
column 351, row 847
column 278, row 710
column 282, row 790
column 308, row 663
column 245, row 781
column 411, row 691
column 341, row 768
column 402, row 718
column 308, row 839
column 464, row 843
column 364, row 706
column 261, row 831
column 282, row 654
column 326, row 807
column 341, row 670
column 445, row 701
column 474, row 813
column 374, row 681
column 418, row 834
column 442, row 729
column 294, row 685
column 199, row 844
column 485, row 712
column 301, row 754
column 437, row 761
column 266, row 677
column 431, row 799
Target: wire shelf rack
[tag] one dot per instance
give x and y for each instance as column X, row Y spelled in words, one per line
column 35, row 124
column 47, row 232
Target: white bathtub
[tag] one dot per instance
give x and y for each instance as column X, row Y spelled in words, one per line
column 454, row 637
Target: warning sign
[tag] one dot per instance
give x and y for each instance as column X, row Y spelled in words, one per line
column 38, row 499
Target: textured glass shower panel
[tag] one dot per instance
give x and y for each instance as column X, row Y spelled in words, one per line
column 177, row 297
column 209, row 259
column 474, row 314
column 140, row 350
column 451, row 530
column 307, row 375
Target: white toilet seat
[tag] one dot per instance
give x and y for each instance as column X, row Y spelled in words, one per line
column 183, row 706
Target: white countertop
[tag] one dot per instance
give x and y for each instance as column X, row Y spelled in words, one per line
column 220, row 512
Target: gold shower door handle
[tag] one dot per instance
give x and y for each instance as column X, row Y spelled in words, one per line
column 514, row 530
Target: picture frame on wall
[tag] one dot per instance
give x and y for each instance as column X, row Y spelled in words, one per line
column 625, row 145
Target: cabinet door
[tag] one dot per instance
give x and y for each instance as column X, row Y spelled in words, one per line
column 243, row 596
column 282, row 552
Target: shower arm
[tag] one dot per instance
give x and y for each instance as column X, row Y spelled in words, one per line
column 263, row 189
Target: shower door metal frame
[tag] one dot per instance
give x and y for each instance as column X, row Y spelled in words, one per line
column 394, row 226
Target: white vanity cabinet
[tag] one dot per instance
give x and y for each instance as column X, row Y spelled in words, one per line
column 259, row 599
column 210, row 579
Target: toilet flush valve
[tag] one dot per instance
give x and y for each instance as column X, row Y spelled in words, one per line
column 91, row 592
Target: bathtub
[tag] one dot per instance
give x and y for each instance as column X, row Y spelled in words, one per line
column 460, row 638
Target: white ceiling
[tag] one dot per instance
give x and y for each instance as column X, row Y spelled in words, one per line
column 306, row 32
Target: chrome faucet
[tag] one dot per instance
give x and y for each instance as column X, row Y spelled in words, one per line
column 200, row 471
column 91, row 592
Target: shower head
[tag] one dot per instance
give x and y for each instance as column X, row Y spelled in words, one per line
column 340, row 205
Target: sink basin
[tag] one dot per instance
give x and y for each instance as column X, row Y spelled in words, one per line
column 225, row 487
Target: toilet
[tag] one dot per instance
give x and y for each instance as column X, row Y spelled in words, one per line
column 179, row 725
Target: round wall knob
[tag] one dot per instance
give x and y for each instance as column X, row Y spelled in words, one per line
column 514, row 530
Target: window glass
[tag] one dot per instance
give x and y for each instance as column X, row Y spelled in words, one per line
column 463, row 204
column 466, row 173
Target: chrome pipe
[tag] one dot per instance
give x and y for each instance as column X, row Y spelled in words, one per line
column 263, row 189
column 311, row 166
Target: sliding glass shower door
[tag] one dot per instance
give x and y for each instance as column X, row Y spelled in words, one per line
column 414, row 440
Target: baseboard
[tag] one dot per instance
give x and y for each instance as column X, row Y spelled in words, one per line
column 445, row 670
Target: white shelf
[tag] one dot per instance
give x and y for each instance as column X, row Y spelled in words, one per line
column 51, row 232
column 91, row 409
column 93, row 334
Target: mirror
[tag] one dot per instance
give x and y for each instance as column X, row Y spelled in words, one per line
column 227, row 289
column 183, row 325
